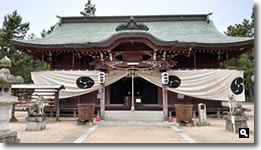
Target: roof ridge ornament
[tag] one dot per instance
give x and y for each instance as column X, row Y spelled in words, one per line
column 132, row 25
column 207, row 18
column 209, row 14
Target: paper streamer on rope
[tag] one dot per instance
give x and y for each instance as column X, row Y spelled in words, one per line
column 69, row 79
column 211, row 84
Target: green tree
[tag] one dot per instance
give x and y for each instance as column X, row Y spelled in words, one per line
column 13, row 28
column 45, row 33
column 245, row 61
column 31, row 36
column 89, row 9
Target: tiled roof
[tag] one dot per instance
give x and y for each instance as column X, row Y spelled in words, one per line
column 163, row 29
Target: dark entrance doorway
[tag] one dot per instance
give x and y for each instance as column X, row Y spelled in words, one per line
column 142, row 88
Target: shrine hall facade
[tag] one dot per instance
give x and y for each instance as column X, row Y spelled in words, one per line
column 133, row 52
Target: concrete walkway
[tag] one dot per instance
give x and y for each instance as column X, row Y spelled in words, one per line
column 135, row 134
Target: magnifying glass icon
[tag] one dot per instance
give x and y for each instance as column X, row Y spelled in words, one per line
column 243, row 132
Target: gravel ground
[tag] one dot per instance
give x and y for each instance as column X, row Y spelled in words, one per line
column 216, row 133
column 67, row 131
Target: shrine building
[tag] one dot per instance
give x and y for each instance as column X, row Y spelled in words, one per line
column 136, row 63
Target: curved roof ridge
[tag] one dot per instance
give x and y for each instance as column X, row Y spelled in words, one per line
column 150, row 15
column 138, row 18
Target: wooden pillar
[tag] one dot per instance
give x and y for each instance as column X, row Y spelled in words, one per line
column 165, row 101
column 218, row 113
column 73, row 60
column 34, row 67
column 42, row 56
column 78, row 98
column 13, row 118
column 74, row 113
column 132, row 91
column 195, row 61
column 102, row 102
column 226, row 55
column 57, row 106
column 159, row 96
column 188, row 62
column 52, row 64
column 107, row 95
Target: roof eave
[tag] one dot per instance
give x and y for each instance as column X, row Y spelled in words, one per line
column 110, row 42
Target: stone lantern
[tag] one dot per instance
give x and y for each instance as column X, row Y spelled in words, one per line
column 6, row 100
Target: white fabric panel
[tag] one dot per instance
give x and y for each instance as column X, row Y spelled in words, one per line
column 68, row 79
column 207, row 83
column 211, row 84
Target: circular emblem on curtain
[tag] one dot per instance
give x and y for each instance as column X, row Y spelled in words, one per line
column 174, row 81
column 237, row 85
column 84, row 82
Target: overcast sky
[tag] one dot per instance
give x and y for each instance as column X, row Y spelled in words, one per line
column 41, row 13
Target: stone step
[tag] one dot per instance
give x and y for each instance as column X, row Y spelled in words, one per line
column 134, row 116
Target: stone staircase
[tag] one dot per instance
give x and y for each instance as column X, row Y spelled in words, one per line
column 134, row 116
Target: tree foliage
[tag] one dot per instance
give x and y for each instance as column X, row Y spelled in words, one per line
column 44, row 33
column 245, row 61
column 14, row 29
column 89, row 9
column 31, row 36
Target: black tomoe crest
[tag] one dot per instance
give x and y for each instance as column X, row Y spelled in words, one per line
column 174, row 82
column 237, row 85
column 84, row 82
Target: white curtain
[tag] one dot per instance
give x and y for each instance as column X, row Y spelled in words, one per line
column 211, row 84
column 68, row 79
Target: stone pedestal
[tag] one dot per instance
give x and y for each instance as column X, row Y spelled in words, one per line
column 35, row 123
column 185, row 124
column 240, row 122
column 6, row 136
column 9, row 137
